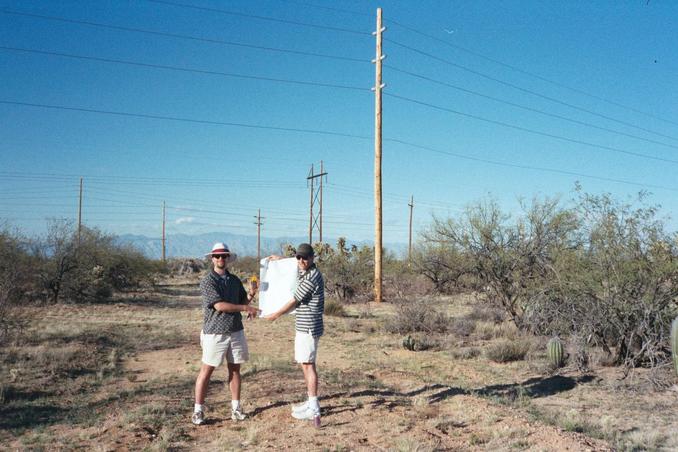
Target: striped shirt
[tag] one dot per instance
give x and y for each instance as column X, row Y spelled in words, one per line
column 310, row 298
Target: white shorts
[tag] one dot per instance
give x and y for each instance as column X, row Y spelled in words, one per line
column 216, row 347
column 305, row 347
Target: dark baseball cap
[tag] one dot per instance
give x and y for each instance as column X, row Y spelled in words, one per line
column 305, row 250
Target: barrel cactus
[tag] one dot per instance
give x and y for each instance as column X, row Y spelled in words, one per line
column 674, row 343
column 555, row 353
column 409, row 343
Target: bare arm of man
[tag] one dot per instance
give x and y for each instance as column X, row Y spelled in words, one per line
column 225, row 306
column 284, row 310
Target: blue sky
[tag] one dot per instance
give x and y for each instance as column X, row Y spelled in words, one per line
column 509, row 99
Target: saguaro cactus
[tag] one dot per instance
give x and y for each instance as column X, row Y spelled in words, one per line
column 554, row 351
column 674, row 343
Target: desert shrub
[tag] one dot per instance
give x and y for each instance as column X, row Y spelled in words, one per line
column 466, row 353
column 180, row 267
column 419, row 342
column 417, row 316
column 505, row 351
column 603, row 270
column 401, row 279
column 510, row 259
column 245, row 267
column 490, row 330
column 618, row 287
column 348, row 272
column 88, row 269
column 462, row 327
column 334, row 308
column 441, row 262
column 15, row 280
column 485, row 313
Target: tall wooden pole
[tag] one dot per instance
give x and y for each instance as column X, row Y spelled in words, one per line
column 163, row 232
column 377, row 163
column 310, row 219
column 409, row 248
column 80, row 212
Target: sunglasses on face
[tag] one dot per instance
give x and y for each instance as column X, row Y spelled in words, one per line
column 299, row 258
column 220, row 256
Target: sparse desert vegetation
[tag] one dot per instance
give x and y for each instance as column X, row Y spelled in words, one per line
column 471, row 363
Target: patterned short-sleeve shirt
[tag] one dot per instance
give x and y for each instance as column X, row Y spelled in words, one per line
column 215, row 288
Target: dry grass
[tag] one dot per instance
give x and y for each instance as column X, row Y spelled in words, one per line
column 86, row 378
column 506, row 351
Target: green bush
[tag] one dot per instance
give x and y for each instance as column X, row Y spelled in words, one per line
column 348, row 272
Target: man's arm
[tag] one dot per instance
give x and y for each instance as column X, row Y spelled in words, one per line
column 284, row 310
column 225, row 306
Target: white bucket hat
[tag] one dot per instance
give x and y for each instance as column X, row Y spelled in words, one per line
column 222, row 248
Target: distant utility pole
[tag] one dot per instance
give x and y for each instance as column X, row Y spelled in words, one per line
column 316, row 197
column 80, row 213
column 163, row 231
column 258, row 223
column 409, row 248
column 377, row 162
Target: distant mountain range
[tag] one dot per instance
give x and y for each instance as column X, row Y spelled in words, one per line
column 183, row 245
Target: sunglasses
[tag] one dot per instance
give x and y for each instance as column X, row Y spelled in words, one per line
column 303, row 258
column 220, row 256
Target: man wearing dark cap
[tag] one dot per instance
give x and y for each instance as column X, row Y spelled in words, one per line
column 309, row 301
column 222, row 336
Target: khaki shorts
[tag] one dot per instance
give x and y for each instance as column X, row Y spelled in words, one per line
column 305, row 347
column 216, row 347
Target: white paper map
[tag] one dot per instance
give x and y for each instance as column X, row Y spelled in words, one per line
column 277, row 283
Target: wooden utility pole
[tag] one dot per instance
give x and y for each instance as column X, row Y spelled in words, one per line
column 316, row 196
column 409, row 248
column 377, row 163
column 258, row 223
column 80, row 213
column 163, row 231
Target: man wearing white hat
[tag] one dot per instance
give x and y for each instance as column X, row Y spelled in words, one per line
column 222, row 336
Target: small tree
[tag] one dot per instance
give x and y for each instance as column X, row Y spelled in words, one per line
column 441, row 263
column 510, row 259
column 15, row 278
column 348, row 272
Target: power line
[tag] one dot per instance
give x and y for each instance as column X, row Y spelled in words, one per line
column 529, row 167
column 180, row 36
column 183, row 69
column 330, row 8
column 266, row 18
column 536, row 132
column 525, row 90
column 188, row 120
column 526, row 108
column 531, row 74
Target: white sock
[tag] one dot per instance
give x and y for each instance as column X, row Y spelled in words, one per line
column 235, row 404
column 198, row 407
column 313, row 403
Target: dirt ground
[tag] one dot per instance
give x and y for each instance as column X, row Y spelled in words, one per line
column 120, row 377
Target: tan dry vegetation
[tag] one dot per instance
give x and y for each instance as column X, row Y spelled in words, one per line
column 120, row 377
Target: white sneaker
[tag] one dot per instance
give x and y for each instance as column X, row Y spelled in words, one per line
column 238, row 415
column 308, row 414
column 301, row 407
column 198, row 418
